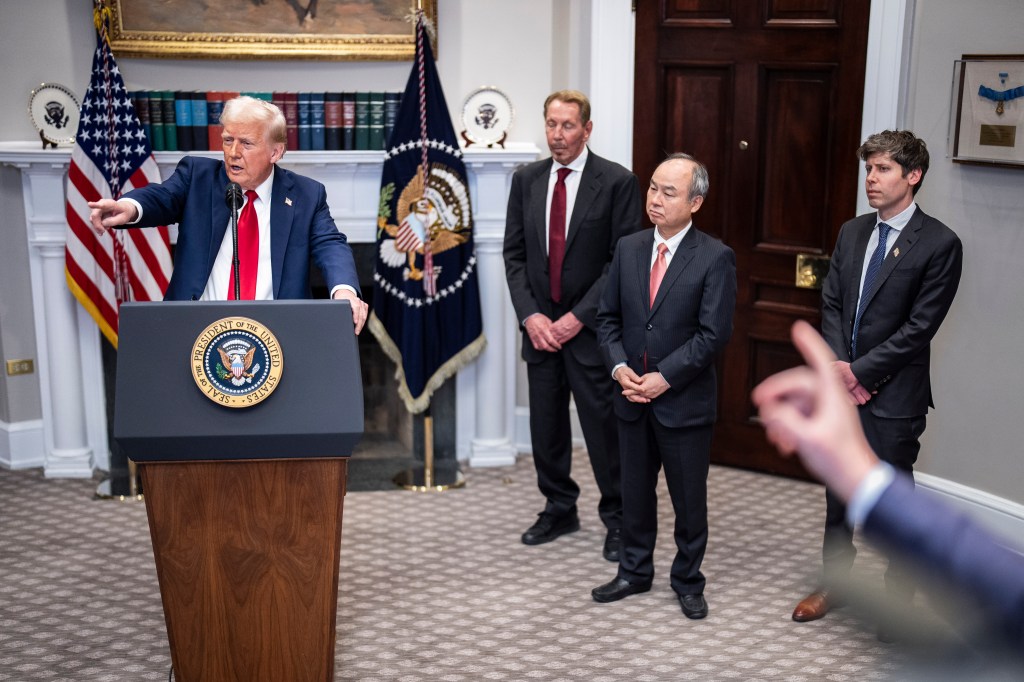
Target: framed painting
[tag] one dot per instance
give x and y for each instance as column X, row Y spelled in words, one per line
column 267, row 29
column 987, row 117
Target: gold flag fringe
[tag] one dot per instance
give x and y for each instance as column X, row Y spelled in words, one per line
column 420, row 403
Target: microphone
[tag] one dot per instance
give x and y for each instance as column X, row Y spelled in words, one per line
column 233, row 198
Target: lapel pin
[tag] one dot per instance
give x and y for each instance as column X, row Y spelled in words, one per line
column 896, row 252
column 287, row 201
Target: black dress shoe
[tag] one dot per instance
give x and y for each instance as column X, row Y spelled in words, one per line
column 694, row 606
column 549, row 527
column 617, row 589
column 612, row 544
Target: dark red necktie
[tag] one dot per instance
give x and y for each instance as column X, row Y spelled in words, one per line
column 556, row 235
column 248, row 251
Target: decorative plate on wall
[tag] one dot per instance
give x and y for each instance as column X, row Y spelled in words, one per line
column 54, row 111
column 486, row 117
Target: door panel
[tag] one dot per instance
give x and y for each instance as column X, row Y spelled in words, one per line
column 768, row 95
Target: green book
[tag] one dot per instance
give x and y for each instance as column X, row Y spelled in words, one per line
column 266, row 96
column 376, row 137
column 362, row 120
column 156, row 121
column 170, row 122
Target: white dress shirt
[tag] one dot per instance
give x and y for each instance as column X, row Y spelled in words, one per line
column 572, row 188
column 897, row 223
column 217, row 285
column 865, row 497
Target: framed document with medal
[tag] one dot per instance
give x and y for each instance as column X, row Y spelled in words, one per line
column 987, row 114
column 486, row 117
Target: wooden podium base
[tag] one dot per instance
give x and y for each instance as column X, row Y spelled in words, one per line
column 247, row 558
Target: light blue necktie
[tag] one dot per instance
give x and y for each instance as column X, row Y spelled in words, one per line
column 874, row 265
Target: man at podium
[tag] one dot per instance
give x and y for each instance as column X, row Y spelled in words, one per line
column 284, row 219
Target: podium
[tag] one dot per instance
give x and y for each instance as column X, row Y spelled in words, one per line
column 244, row 503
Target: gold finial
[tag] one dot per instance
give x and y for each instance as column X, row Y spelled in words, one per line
column 100, row 14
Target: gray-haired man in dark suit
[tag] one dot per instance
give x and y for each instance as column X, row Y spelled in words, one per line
column 565, row 215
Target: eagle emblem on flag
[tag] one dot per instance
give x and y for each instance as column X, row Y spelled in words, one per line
column 431, row 218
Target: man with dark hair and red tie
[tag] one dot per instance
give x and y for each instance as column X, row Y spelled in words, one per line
column 665, row 316
column 565, row 215
column 284, row 220
column 893, row 276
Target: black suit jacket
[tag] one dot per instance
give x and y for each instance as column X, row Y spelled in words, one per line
column 911, row 297
column 688, row 326
column 301, row 228
column 607, row 207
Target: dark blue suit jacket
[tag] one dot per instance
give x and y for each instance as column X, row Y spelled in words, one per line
column 948, row 545
column 301, row 227
column 682, row 334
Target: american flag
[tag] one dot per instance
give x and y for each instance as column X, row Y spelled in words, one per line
column 111, row 156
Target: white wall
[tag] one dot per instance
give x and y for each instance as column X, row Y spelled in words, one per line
column 974, row 434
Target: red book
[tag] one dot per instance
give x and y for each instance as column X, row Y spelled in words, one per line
column 291, row 117
column 278, row 100
column 214, row 107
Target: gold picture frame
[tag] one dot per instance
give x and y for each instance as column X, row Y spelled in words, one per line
column 333, row 30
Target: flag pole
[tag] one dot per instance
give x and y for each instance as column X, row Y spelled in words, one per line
column 427, row 478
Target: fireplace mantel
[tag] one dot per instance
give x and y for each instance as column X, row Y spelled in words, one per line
column 74, row 421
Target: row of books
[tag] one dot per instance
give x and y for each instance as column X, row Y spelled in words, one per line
column 190, row 121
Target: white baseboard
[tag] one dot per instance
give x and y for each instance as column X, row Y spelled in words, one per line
column 22, row 444
column 1003, row 517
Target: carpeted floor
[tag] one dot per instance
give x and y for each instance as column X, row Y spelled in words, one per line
column 437, row 586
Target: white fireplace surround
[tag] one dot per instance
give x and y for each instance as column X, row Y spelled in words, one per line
column 74, row 438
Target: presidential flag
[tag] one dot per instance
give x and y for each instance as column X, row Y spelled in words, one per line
column 426, row 302
column 111, row 156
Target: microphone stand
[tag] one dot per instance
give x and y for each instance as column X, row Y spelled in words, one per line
column 233, row 195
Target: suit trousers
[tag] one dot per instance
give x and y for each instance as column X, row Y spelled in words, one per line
column 898, row 442
column 550, row 383
column 685, row 454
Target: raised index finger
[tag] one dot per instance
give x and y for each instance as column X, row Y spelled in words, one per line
column 813, row 348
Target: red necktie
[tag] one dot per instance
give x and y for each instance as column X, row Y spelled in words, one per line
column 556, row 235
column 248, row 251
column 658, row 271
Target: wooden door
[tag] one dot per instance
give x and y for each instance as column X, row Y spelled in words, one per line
column 768, row 94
